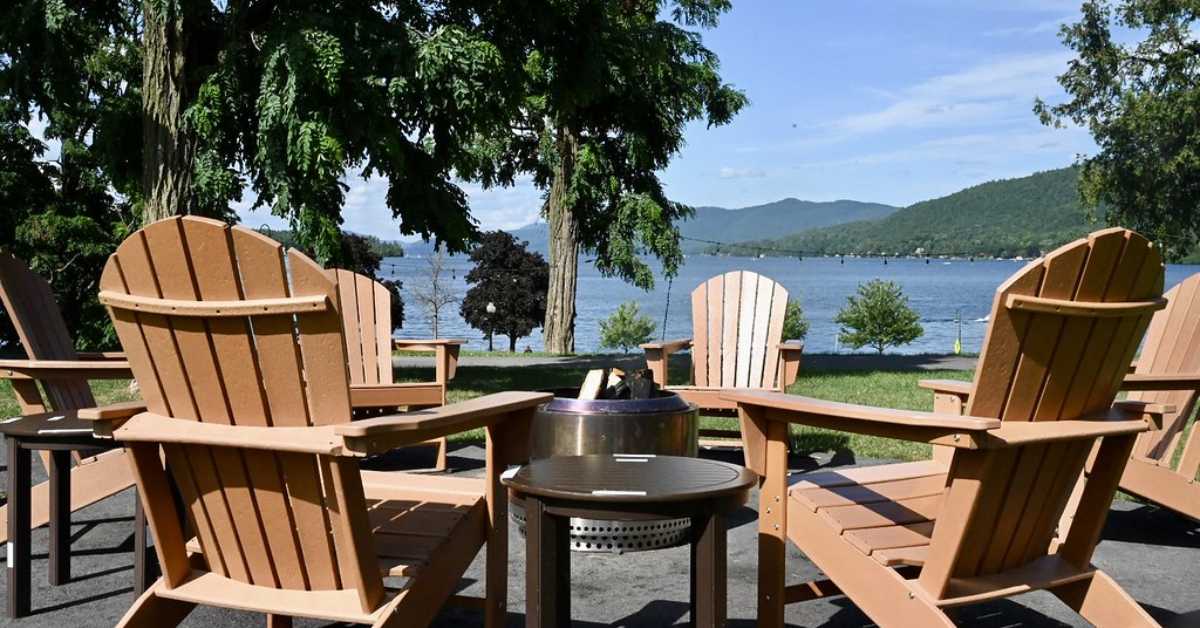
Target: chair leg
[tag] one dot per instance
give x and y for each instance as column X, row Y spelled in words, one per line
column 1102, row 602
column 152, row 611
column 440, row 465
column 279, row 621
column 108, row 475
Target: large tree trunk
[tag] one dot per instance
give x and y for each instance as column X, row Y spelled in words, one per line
column 558, row 331
column 167, row 149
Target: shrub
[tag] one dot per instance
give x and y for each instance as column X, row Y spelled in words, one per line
column 795, row 325
column 878, row 317
column 626, row 328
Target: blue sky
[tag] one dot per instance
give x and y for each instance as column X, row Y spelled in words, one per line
column 892, row 102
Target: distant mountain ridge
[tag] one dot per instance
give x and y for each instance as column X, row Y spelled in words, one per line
column 1024, row 216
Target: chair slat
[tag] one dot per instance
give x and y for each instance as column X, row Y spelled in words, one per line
column 307, row 502
column 762, row 322
column 181, row 470
column 383, row 332
column 716, row 328
column 745, row 328
column 323, row 348
column 730, row 326
column 701, row 328
column 771, row 370
column 347, row 290
column 364, row 288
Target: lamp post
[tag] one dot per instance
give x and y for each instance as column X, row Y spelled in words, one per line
column 491, row 309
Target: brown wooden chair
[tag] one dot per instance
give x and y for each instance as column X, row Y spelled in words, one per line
column 1163, row 466
column 366, row 310
column 63, row 374
column 906, row 545
column 239, row 352
column 737, row 342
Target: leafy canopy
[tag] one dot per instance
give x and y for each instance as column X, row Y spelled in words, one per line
column 626, row 328
column 1141, row 102
column 511, row 278
column 878, row 317
column 609, row 87
column 281, row 98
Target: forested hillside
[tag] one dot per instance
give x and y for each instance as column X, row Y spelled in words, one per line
column 1007, row 218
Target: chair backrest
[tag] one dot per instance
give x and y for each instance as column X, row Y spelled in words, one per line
column 737, row 325
column 366, row 307
column 222, row 327
column 1172, row 346
column 1061, row 336
column 31, row 307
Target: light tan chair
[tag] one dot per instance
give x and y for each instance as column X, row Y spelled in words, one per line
column 907, row 542
column 63, row 374
column 239, row 352
column 736, row 343
column 366, row 310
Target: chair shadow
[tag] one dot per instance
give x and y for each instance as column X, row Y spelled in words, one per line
column 1151, row 525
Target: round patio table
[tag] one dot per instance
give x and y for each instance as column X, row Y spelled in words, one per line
column 625, row 488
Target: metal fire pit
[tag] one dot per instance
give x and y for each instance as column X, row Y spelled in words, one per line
column 663, row 425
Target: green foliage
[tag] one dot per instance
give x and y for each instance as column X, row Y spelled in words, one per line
column 795, row 324
column 626, row 328
column 511, row 278
column 1141, row 102
column 608, row 90
column 879, row 317
column 1008, row 218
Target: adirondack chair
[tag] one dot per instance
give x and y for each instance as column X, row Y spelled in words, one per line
column 737, row 342
column 1167, row 372
column 239, row 352
column 365, row 305
column 906, row 542
column 63, row 373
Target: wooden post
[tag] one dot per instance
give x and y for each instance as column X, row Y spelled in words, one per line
column 772, row 526
column 548, row 567
column 19, row 477
column 59, row 570
column 708, row 595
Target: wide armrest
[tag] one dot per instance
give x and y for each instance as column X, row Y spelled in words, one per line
column 929, row 427
column 111, row 412
column 388, row 432
column 947, row 386
column 1123, row 418
column 668, row 346
column 153, row 428
column 392, row 395
column 425, row 344
column 1164, row 381
column 792, row 346
column 65, row 369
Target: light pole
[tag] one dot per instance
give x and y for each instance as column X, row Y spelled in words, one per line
column 491, row 309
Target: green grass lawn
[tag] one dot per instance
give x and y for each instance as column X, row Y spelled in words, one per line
column 879, row 388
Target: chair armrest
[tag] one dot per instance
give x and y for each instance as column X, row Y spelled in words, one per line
column 1164, row 381
column 791, row 346
column 430, row 344
column 667, row 347
column 65, row 369
column 153, row 428
column 790, row 354
column 382, row 434
column 1123, row 418
column 928, row 427
column 102, row 355
column 123, row 410
column 392, row 395
column 947, row 387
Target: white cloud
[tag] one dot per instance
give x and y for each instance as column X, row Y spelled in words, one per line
column 742, row 173
column 1047, row 26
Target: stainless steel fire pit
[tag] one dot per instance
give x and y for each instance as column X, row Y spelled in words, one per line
column 664, row 425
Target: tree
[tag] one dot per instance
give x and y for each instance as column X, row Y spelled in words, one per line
column 513, row 281
column 436, row 293
column 186, row 103
column 879, row 317
column 1141, row 102
column 609, row 88
column 626, row 328
column 795, row 325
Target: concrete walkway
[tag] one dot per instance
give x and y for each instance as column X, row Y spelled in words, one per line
column 1154, row 554
column 814, row 361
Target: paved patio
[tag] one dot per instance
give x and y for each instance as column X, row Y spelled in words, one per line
column 1154, row 554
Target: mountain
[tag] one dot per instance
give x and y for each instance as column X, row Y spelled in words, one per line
column 1005, row 218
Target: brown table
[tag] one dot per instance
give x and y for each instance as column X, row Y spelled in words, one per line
column 59, row 434
column 626, row 488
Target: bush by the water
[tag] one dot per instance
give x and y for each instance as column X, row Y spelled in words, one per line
column 795, row 324
column 878, row 317
column 626, row 328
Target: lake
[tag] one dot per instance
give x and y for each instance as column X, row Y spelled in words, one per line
column 937, row 290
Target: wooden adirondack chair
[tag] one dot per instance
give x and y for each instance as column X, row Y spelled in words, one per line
column 906, row 542
column 63, row 373
column 239, row 352
column 1168, row 373
column 365, row 305
column 737, row 342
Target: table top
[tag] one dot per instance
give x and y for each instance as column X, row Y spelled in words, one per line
column 629, row 478
column 51, row 426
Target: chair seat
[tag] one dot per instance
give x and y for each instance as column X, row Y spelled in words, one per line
column 887, row 512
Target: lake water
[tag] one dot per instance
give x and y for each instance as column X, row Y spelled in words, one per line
column 937, row 290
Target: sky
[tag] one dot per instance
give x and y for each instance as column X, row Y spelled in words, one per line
column 892, row 102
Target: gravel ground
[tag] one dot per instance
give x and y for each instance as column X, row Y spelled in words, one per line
column 1154, row 554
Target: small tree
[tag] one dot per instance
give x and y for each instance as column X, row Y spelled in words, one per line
column 513, row 281
column 879, row 317
column 795, row 325
column 435, row 294
column 626, row 328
